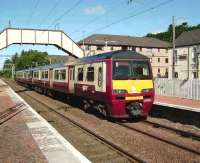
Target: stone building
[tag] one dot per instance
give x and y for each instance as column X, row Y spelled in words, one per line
column 187, row 56
column 155, row 49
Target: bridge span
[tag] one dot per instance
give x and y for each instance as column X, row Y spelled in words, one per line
column 56, row 38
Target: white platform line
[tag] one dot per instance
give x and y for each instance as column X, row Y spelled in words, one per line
column 50, row 156
column 178, row 106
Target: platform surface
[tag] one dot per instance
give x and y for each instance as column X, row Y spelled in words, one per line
column 26, row 137
column 179, row 103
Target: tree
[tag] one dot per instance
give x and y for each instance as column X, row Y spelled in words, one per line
column 31, row 58
column 167, row 35
column 25, row 60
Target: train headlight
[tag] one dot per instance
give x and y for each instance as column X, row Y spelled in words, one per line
column 119, row 91
column 147, row 90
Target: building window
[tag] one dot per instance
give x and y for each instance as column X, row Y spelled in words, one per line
column 175, row 56
column 166, row 72
column 182, row 57
column 194, row 58
column 112, row 48
column 87, row 47
column 158, row 70
column 158, row 59
column 176, row 74
column 166, row 60
column 90, row 74
column 140, row 49
column 99, row 47
column 124, row 48
column 194, row 75
column 158, row 49
column 133, row 48
column 80, row 74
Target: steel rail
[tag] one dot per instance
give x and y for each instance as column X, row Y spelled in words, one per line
column 116, row 148
column 160, row 139
column 178, row 131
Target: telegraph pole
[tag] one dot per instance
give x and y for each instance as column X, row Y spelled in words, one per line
column 173, row 52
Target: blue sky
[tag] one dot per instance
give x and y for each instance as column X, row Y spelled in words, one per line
column 90, row 16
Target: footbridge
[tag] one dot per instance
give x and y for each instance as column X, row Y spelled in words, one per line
column 56, row 38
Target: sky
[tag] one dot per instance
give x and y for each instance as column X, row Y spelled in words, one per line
column 81, row 18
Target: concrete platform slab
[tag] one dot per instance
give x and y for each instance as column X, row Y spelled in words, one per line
column 27, row 137
column 179, row 103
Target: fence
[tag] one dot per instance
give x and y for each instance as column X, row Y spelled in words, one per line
column 180, row 88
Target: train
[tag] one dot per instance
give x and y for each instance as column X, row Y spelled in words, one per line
column 119, row 84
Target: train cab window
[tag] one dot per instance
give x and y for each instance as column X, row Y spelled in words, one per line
column 80, row 74
column 56, row 74
column 62, row 74
column 90, row 74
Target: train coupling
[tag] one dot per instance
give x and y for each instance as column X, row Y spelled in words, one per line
column 134, row 108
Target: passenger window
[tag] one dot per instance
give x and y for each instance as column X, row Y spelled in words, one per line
column 42, row 75
column 36, row 74
column 80, row 74
column 90, row 74
column 46, row 75
column 56, row 74
column 62, row 74
column 100, row 77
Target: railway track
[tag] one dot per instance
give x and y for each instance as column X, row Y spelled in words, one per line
column 119, row 154
column 131, row 127
column 129, row 156
column 177, row 131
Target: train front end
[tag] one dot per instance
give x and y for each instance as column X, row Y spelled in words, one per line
column 132, row 88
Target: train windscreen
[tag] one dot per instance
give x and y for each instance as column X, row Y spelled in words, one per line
column 125, row 70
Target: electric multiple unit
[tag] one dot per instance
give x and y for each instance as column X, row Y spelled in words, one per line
column 119, row 84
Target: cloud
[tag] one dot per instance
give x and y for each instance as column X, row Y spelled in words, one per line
column 98, row 9
column 156, row 32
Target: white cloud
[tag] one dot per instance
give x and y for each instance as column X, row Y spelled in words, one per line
column 156, row 32
column 94, row 10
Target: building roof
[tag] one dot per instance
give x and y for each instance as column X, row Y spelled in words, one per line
column 188, row 38
column 118, row 40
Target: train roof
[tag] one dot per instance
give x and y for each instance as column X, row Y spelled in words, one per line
column 44, row 67
column 120, row 54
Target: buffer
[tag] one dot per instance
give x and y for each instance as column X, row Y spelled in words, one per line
column 56, row 38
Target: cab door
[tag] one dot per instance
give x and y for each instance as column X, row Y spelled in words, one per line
column 71, row 79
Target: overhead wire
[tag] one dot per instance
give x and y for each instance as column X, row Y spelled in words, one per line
column 132, row 15
column 93, row 20
column 50, row 11
column 65, row 13
column 33, row 11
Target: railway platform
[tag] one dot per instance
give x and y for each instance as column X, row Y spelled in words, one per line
column 26, row 137
column 178, row 103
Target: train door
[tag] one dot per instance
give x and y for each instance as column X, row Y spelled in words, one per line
column 71, row 79
column 51, row 78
